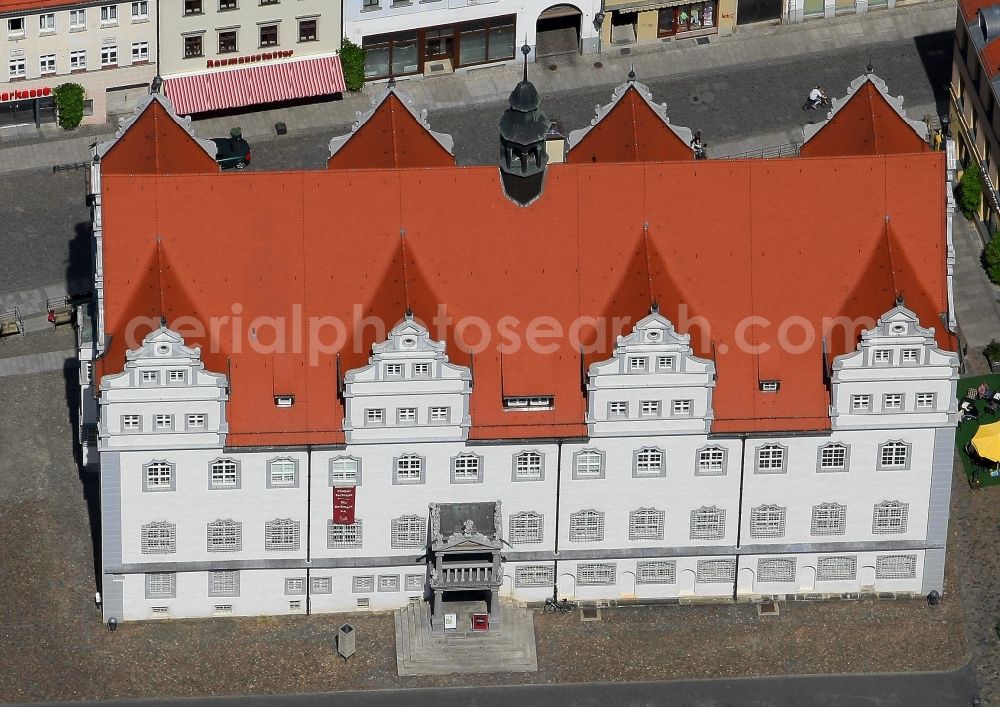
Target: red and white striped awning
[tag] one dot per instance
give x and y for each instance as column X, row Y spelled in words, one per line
column 252, row 85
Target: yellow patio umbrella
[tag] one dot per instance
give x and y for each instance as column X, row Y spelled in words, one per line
column 987, row 442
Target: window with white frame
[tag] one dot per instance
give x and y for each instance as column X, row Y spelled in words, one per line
column 925, row 401
column 656, row 572
column 861, row 403
column 770, row 386
column 409, row 469
column 711, row 461
column 525, row 527
column 364, row 583
column 770, row 459
column 195, row 421
column 163, row 422
column 618, row 408
column 46, row 23
column 649, row 408
column 339, row 535
column 131, row 423
column 665, row 363
column 406, row 416
column 890, row 517
column 439, row 414
column 590, row 574
column 47, row 64
column 421, row 370
column 224, row 583
column 586, row 526
column 838, row 567
column 466, row 468
column 715, row 571
column 892, row 401
column 158, row 538
column 708, row 523
column 588, row 464
column 15, row 27
column 225, row 536
column 295, row 585
column 534, row 576
column 281, row 534
column 681, row 408
column 393, row 370
column 16, row 67
column 77, row 20
column 109, row 14
column 776, row 569
column 109, row 55
column 224, row 474
column 321, row 585
column 161, row 585
column 893, row 455
column 140, row 11
column 414, row 582
column 649, row 462
column 282, row 472
column 767, row 522
column 159, row 476
column 911, row 355
column 374, row 416
column 896, row 567
column 409, row 531
column 833, row 457
column 637, row 364
column 527, row 466
column 646, row 524
column 882, row 356
column 176, row 375
column 388, row 582
column 78, row 60
column 829, row 519
column 345, row 471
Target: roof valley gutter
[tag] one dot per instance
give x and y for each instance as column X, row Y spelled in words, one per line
column 739, row 514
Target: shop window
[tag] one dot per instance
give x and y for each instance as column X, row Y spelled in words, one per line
column 813, row 8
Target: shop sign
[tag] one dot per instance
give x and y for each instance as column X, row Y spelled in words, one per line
column 343, row 505
column 252, row 59
column 25, row 94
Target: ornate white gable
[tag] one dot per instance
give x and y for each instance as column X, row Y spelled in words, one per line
column 895, row 101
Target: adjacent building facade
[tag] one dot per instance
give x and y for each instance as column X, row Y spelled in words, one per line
column 109, row 48
column 720, row 438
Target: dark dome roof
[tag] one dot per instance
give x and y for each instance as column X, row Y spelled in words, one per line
column 524, row 97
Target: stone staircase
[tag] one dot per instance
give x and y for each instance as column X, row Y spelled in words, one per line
column 509, row 648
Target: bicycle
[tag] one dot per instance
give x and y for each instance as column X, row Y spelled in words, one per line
column 563, row 606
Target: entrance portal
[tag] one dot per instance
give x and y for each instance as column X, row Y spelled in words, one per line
column 558, row 31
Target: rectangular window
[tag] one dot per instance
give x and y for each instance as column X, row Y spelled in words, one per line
column 708, row 524
column 589, row 464
column 140, row 53
column 345, row 471
column 712, row 461
column 175, row 375
column 586, row 526
column 159, row 476
column 15, row 27
column 224, row 583
column 159, row 538
column 195, row 421
column 637, row 365
column 193, row 46
column 770, row 459
column 77, row 20
column 17, row 68
column 893, row 455
column 829, row 519
column 163, row 422
column 150, row 377
column 649, row 462
column 536, row 402
column 140, row 11
column 776, row 569
column 421, row 370
column 767, row 522
column 665, row 363
column 224, row 474
column 408, row 532
column 656, row 572
column 596, row 574
column 409, row 469
column 225, row 536
column 896, row 567
column 281, row 472
column 78, row 60
column 228, row 5
column 295, row 585
column 406, row 416
column 770, row 386
column 307, row 30
column 363, row 584
column 192, row 7
column 465, row 468
column 646, row 524
column 528, row 466
column 925, row 401
column 439, row 414
column 161, row 585
column 618, row 408
column 831, row 569
column 681, row 408
column 295, row 605
column 525, row 527
column 321, row 585
column 414, row 582
column 890, row 518
column 46, row 23
column 159, row 612
column 393, row 370
column 860, row 403
column 343, row 536
column 649, row 408
column 47, row 64
column 374, row 416
column 109, row 15
column 268, row 35
column 534, row 576
column 388, row 582
column 833, row 457
column 892, row 401
column 716, row 571
column 882, row 356
column 109, row 56
column 281, row 535
column 911, row 355
column 131, row 423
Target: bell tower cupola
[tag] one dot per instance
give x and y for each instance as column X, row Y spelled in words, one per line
column 523, row 127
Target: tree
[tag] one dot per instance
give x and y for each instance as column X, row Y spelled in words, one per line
column 69, row 104
column 991, row 258
column 970, row 191
column 352, row 59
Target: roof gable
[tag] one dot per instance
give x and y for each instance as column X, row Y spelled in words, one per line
column 867, row 121
column 155, row 140
column 391, row 135
column 630, row 129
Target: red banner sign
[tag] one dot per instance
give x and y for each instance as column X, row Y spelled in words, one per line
column 25, row 94
column 252, row 59
column 343, row 505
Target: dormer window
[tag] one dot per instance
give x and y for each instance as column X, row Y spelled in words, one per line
column 374, row 416
column 537, row 402
column 284, row 401
column 421, row 370
column 911, row 355
column 882, row 356
column 393, row 370
column 637, row 364
column 665, row 363
column 406, row 416
column 150, row 377
column 175, row 376
column 770, row 386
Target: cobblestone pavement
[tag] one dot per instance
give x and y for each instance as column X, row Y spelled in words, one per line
column 53, row 647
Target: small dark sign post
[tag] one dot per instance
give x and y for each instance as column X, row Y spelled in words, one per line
column 346, row 636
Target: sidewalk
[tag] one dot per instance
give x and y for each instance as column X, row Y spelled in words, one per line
column 752, row 44
column 976, row 299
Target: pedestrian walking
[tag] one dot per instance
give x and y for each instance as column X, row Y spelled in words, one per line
column 938, row 139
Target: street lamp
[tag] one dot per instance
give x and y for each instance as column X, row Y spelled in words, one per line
column 598, row 20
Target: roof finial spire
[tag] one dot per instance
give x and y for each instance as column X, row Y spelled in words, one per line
column 869, row 69
column 392, row 82
column 631, row 73
column 526, row 50
column 900, row 302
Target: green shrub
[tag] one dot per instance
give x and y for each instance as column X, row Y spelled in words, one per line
column 69, row 104
column 352, row 59
column 992, row 351
column 991, row 258
column 970, row 191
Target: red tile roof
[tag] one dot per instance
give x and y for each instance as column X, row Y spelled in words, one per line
column 865, row 125
column 390, row 138
column 7, row 6
column 630, row 132
column 970, row 8
column 155, row 144
column 765, row 247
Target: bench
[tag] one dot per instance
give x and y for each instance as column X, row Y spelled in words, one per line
column 60, row 311
column 11, row 322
